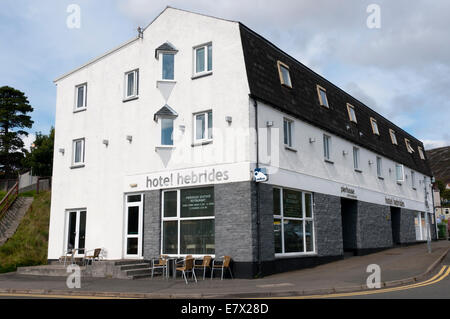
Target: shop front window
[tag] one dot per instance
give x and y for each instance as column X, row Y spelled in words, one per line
column 188, row 222
column 293, row 222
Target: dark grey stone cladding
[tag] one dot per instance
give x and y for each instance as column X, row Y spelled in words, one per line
column 407, row 226
column 374, row 226
column 152, row 224
column 328, row 225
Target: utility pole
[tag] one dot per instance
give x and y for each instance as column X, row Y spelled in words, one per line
column 427, row 209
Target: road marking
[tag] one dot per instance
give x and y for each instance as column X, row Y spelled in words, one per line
column 442, row 274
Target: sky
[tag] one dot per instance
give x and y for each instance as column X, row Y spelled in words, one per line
column 400, row 68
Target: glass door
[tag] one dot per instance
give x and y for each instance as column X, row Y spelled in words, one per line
column 76, row 231
column 133, row 225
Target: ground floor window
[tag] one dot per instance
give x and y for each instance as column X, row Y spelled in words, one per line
column 421, row 226
column 188, row 221
column 293, row 221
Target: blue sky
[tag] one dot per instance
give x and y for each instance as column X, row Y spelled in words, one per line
column 402, row 69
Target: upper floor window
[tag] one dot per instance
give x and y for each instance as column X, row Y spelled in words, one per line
column 422, row 156
column 78, row 152
column 166, row 131
column 393, row 137
column 168, row 66
column 356, row 158
column 203, row 59
column 413, row 179
column 326, row 147
column 287, row 127
column 379, row 167
column 374, row 126
column 322, row 93
column 203, row 126
column 81, row 96
column 399, row 174
column 408, row 146
column 283, row 71
column 351, row 113
column 131, row 84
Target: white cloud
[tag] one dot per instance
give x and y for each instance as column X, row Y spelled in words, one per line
column 430, row 144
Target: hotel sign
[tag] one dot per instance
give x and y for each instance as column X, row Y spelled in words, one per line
column 394, row 202
column 349, row 192
column 189, row 177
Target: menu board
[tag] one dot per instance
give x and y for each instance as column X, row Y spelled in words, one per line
column 197, row 202
column 292, row 203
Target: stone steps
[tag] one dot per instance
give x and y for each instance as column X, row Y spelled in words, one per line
column 12, row 218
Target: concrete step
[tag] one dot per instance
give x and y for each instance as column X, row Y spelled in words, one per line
column 134, row 266
column 130, row 262
column 135, row 272
column 47, row 270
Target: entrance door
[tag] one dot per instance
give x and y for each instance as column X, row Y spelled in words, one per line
column 395, row 223
column 133, row 226
column 76, row 231
column 349, row 214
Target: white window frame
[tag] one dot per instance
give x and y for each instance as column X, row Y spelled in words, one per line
column 303, row 219
column 413, row 180
column 178, row 219
column 78, row 212
column 205, row 133
column 161, row 119
column 356, row 159
column 135, row 87
column 290, row 131
column 379, row 167
column 374, row 125
column 399, row 180
column 205, row 71
column 327, row 147
column 84, row 105
column 74, row 143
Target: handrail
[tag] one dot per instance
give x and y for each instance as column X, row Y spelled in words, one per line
column 9, row 198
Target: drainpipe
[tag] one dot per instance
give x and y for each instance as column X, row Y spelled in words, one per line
column 258, row 218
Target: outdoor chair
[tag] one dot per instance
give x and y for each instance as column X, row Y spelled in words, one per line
column 206, row 263
column 92, row 257
column 68, row 254
column 160, row 263
column 188, row 267
column 222, row 264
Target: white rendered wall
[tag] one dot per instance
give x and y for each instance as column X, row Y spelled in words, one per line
column 306, row 169
column 99, row 186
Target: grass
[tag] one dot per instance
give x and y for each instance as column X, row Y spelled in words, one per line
column 28, row 246
column 2, row 194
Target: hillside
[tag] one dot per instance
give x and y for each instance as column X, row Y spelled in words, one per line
column 439, row 160
column 28, row 246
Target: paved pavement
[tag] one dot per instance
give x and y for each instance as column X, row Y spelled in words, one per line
column 350, row 274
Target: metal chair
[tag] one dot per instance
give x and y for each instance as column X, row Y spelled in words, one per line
column 161, row 264
column 222, row 264
column 93, row 257
column 188, row 267
column 206, row 263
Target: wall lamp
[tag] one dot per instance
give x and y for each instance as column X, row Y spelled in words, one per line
column 344, row 153
column 312, row 139
column 61, row 150
column 129, row 138
column 106, row 142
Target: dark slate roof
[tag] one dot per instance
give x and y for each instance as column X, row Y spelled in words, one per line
column 439, row 159
column 166, row 47
column 166, row 110
column 302, row 102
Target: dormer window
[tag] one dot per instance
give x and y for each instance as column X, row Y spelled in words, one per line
column 408, row 146
column 351, row 113
column 322, row 93
column 422, row 156
column 393, row 137
column 285, row 77
column 374, row 126
column 166, row 54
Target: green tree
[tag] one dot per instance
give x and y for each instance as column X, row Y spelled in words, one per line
column 14, row 107
column 40, row 158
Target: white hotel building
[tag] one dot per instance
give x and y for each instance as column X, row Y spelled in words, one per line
column 156, row 146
